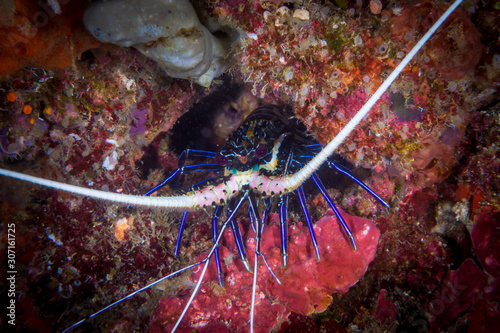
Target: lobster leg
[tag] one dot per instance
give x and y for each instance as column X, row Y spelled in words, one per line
column 237, row 237
column 344, row 226
column 343, row 170
column 283, row 207
column 215, row 225
column 174, row 177
column 258, row 237
column 168, row 180
column 303, row 203
column 313, row 146
column 259, row 228
column 252, row 219
column 188, row 153
column 260, row 231
column 195, row 153
column 181, row 229
column 181, row 169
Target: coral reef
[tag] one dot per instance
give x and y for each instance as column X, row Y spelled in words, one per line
column 104, row 119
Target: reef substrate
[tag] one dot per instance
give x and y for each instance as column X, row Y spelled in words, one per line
column 103, row 116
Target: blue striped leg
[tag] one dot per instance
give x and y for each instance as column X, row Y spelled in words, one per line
column 181, row 169
column 215, row 226
column 181, row 229
column 346, row 172
column 237, row 236
column 174, row 177
column 303, row 203
column 342, row 223
column 283, row 207
column 260, row 229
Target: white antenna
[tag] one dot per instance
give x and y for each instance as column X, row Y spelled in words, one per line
column 177, row 202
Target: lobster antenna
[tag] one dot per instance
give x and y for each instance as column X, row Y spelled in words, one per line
column 303, row 174
column 176, row 202
column 254, row 287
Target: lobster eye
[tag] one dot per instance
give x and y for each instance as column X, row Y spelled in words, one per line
column 221, row 159
column 260, row 151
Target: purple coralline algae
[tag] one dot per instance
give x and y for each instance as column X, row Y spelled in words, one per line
column 138, row 125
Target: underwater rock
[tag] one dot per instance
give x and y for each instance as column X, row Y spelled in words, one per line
column 306, row 284
column 486, row 238
column 455, row 49
column 168, row 32
column 436, row 155
column 300, row 323
column 404, row 108
column 386, row 310
column 460, row 291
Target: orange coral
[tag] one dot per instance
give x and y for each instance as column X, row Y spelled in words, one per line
column 11, row 97
column 375, row 6
column 27, row 109
column 33, row 35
